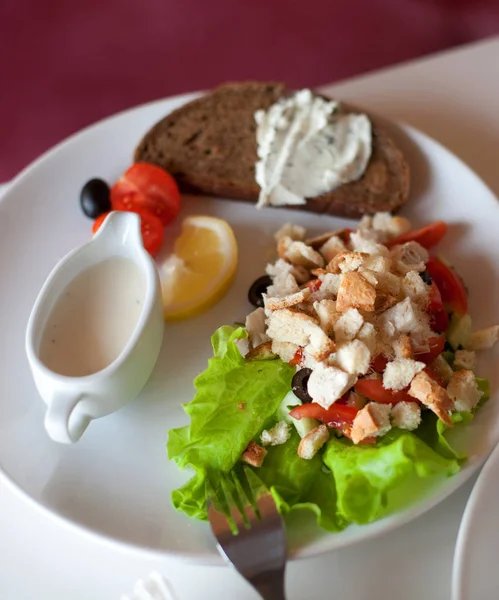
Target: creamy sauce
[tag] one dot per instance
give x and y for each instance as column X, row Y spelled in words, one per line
column 307, row 148
column 94, row 318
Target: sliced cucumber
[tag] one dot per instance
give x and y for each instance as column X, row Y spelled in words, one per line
column 459, row 332
column 303, row 426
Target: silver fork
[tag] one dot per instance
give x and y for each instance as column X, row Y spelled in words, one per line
column 251, row 537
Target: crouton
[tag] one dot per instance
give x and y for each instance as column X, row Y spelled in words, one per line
column 262, row 352
column 319, row 240
column 378, row 264
column 371, row 421
column 330, row 283
column 256, row 328
column 402, row 347
column 415, row 288
column 384, row 302
column 464, row 390
column 392, row 226
column 431, row 394
column 298, row 253
column 404, row 317
column 333, row 246
column 406, row 415
column 277, row 435
column 284, row 281
column 410, row 256
column 388, row 283
column 286, row 351
column 400, row 372
column 295, row 232
column 367, row 334
column 355, row 292
column 348, row 325
column 273, row 303
column 464, row 359
column 362, row 242
column 344, row 262
column 354, row 357
column 326, row 311
column 254, row 455
column 484, row 338
column 370, row 276
column 313, row 442
column 328, row 384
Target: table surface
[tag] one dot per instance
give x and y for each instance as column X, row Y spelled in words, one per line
column 451, row 96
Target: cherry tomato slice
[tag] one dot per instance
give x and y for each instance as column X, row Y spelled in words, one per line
column 150, row 227
column 379, row 363
column 336, row 415
column 374, row 390
column 428, row 236
column 436, row 344
column 439, row 321
column 435, row 376
column 313, row 285
column 449, row 284
column 147, row 187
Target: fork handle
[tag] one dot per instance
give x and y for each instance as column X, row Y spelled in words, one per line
column 270, row 585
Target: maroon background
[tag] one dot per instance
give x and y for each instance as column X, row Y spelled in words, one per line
column 65, row 64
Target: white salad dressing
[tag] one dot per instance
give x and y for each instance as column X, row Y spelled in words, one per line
column 94, row 318
column 306, row 149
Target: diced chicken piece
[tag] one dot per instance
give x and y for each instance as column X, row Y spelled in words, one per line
column 273, row 303
column 313, row 442
column 465, row 359
column 348, row 325
column 279, row 434
column 344, row 262
column 327, row 313
column 372, row 421
column 254, row 454
column 333, row 246
column 285, row 325
column 330, row 283
column 464, row 390
column 298, row 253
column 388, row 283
column 256, row 328
column 378, row 264
column 415, row 288
column 400, row 372
column 308, row 361
column 284, row 281
column 285, row 350
column 402, row 347
column 367, row 334
column 484, row 338
column 404, row 317
column 410, row 256
column 442, row 368
column 392, row 226
column 295, row 232
column 428, row 392
column 328, row 384
column 355, row 292
column 361, row 241
column 406, row 415
column 354, row 357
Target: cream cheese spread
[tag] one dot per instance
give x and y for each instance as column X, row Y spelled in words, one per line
column 306, row 147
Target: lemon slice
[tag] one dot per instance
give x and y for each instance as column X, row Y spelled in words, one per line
column 202, row 268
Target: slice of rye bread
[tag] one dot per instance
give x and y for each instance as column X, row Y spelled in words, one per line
column 209, row 146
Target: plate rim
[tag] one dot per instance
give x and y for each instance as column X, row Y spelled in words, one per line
column 207, row 557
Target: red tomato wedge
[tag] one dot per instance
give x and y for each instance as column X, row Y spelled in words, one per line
column 439, row 320
column 336, row 415
column 374, row 390
column 379, row 363
column 145, row 187
column 436, row 344
column 151, row 229
column 313, row 285
column 428, row 236
column 449, row 284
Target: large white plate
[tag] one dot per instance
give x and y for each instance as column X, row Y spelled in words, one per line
column 116, row 482
column 475, row 573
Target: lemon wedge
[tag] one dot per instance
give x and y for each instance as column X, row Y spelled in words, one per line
column 201, row 269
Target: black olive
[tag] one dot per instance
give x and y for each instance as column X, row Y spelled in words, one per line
column 299, row 384
column 258, row 288
column 94, row 198
column 425, row 276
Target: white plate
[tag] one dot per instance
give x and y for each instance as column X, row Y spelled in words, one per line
column 475, row 574
column 116, row 482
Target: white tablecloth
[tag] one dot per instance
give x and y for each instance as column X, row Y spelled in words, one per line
column 454, row 98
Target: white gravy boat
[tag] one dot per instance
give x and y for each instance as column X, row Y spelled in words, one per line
column 73, row 401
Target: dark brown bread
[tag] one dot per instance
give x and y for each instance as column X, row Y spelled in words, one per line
column 209, row 146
